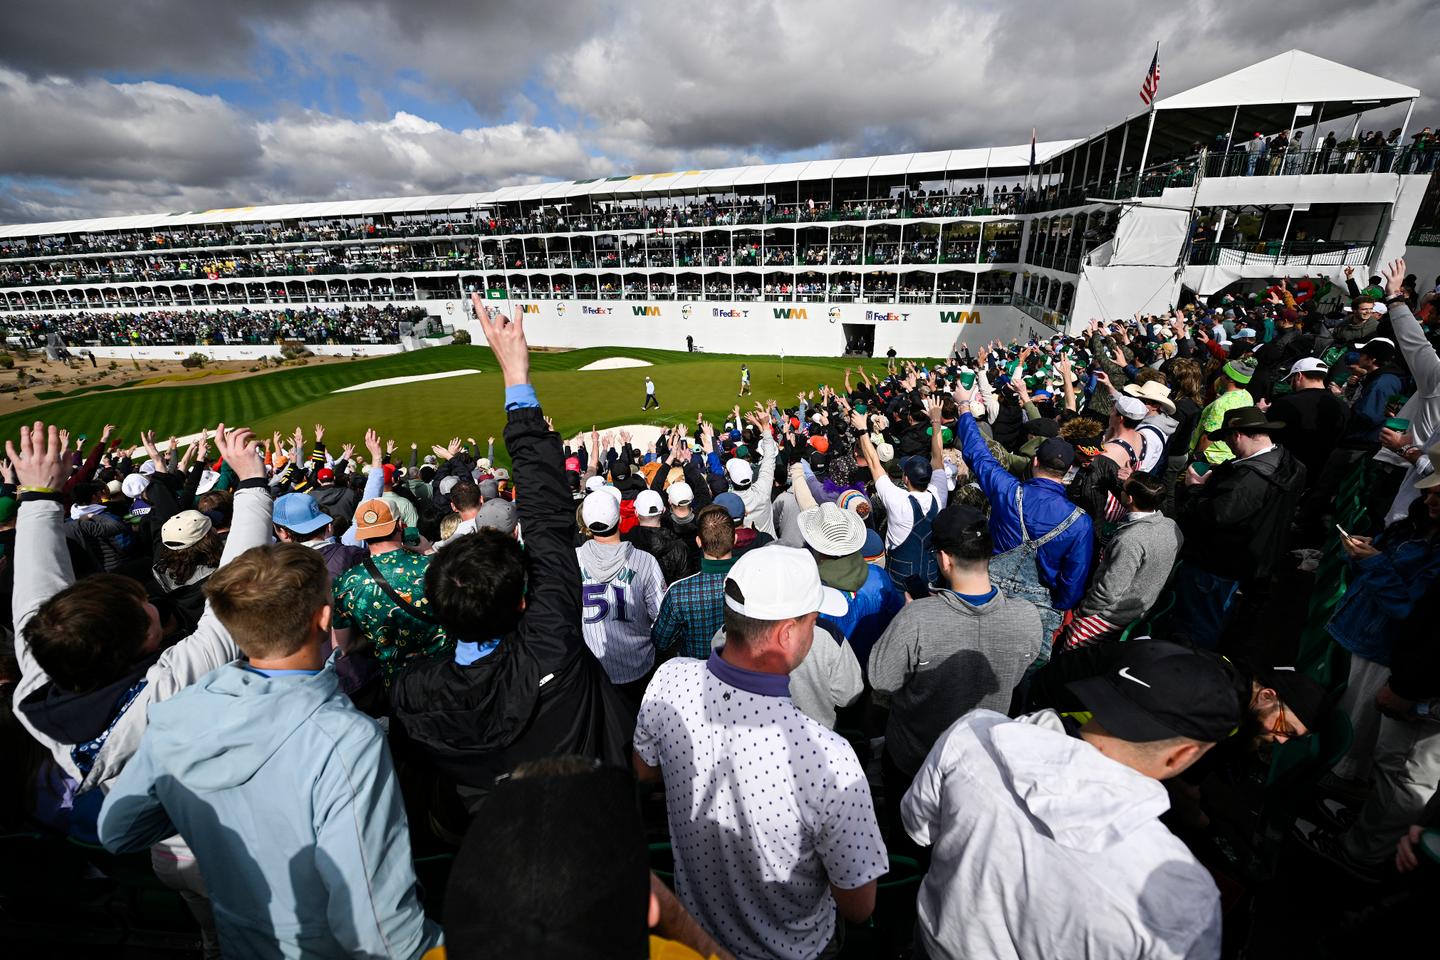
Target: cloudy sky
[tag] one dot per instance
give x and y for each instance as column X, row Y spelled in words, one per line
column 153, row 105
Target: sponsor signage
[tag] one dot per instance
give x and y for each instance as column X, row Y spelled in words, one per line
column 959, row 316
column 877, row 316
column 790, row 313
column 645, row 311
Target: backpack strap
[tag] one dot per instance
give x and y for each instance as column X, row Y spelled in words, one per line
column 390, row 592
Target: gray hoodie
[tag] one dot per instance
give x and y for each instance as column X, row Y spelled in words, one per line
column 287, row 795
column 942, row 657
column 1136, row 565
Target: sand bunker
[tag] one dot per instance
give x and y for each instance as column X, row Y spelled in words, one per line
column 616, row 363
column 396, row 381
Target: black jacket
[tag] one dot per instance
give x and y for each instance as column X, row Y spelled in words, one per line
column 1235, row 525
column 667, row 549
column 542, row 692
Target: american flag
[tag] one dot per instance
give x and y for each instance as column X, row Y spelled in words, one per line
column 1151, row 86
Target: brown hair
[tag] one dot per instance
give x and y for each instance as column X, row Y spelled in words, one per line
column 91, row 633
column 1148, row 375
column 716, row 531
column 180, row 565
column 1187, row 379
column 218, row 501
column 267, row 596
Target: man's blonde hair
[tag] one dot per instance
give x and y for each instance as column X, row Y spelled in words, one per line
column 267, row 597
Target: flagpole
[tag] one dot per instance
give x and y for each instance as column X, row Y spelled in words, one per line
column 1145, row 151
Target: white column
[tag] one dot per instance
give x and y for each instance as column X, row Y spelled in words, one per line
column 1145, row 150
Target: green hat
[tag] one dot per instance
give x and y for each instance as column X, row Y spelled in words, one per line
column 1241, row 371
column 8, row 506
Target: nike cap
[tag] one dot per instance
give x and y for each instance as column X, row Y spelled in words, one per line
column 1190, row 694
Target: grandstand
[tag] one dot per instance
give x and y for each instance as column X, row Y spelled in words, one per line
column 913, row 251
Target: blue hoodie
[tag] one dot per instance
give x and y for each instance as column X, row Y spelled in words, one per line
column 287, row 795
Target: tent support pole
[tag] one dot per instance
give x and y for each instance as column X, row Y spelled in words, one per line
column 1145, row 151
column 1120, row 165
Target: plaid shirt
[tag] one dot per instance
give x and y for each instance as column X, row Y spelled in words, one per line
column 693, row 610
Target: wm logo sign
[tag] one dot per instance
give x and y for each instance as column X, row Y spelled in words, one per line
column 790, row 313
column 646, row 311
column 959, row 316
column 529, row 308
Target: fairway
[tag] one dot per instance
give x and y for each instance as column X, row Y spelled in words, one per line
column 433, row 411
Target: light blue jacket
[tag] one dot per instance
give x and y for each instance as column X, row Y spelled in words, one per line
column 287, row 795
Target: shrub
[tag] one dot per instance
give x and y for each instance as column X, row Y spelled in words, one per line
column 294, row 351
column 194, row 360
column 462, row 337
column 7, row 362
column 114, row 365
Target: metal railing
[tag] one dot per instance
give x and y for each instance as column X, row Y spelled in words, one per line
column 1295, row 253
column 1323, row 161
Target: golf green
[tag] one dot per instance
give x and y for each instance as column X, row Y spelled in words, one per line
column 433, row 411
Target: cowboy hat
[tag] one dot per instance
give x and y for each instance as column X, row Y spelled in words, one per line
column 1152, row 391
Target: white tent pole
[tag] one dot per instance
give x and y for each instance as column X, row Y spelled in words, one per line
column 1230, row 141
column 1120, row 165
column 1145, row 151
column 1404, row 127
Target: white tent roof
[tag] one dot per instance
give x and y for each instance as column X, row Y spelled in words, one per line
column 1291, row 77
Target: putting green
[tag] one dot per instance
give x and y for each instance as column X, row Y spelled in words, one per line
column 430, row 412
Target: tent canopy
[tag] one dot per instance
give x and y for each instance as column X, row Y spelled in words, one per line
column 1262, row 97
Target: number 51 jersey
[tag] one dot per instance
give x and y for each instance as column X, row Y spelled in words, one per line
column 621, row 590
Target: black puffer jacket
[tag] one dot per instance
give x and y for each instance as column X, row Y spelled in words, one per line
column 1235, row 525
column 667, row 549
column 542, row 692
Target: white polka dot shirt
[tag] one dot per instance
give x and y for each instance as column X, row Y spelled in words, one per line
column 767, row 808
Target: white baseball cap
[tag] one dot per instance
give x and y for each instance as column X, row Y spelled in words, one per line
column 649, row 504
column 134, row 485
column 594, row 483
column 208, row 479
column 740, row 472
column 483, row 463
column 1130, row 408
column 680, row 493
column 778, row 583
column 1307, row 365
column 600, row 511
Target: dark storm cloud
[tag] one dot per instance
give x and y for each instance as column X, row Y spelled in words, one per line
column 644, row 85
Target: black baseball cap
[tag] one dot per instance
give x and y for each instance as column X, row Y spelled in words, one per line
column 917, row 470
column 957, row 527
column 1308, row 700
column 1056, row 453
column 1042, row 427
column 1189, row 694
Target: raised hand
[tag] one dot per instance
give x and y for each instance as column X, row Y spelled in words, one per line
column 240, row 450
column 372, row 443
column 64, row 439
column 1394, row 278
column 454, row 447
column 106, row 434
column 319, row 432
column 347, row 451
column 390, row 446
column 39, row 464
column 299, row 438
column 506, row 339
column 442, row 452
column 7, row 469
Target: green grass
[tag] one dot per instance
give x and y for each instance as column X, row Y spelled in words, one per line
column 433, row 412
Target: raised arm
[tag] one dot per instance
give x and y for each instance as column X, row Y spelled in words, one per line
column 41, row 562
column 547, row 513
column 1419, row 355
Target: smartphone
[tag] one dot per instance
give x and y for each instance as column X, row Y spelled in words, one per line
column 1398, row 424
column 1342, row 531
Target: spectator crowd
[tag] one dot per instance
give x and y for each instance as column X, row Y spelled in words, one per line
column 1031, row 652
column 319, row 325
